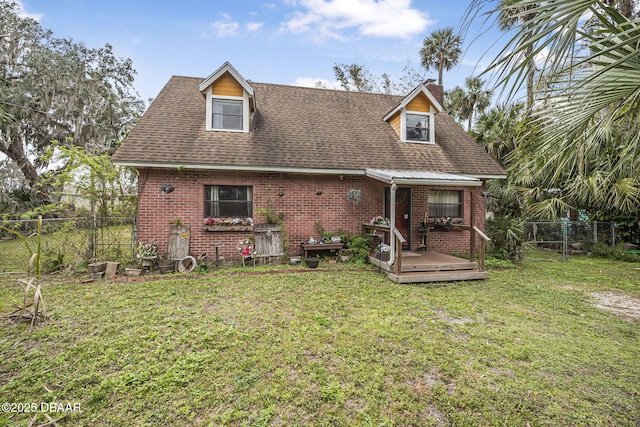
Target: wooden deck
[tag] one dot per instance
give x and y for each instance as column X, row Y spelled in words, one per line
column 429, row 266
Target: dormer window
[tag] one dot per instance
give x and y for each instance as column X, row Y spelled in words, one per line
column 417, row 127
column 414, row 118
column 230, row 100
column 227, row 114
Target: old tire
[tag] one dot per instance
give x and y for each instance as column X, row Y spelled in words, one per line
column 187, row 264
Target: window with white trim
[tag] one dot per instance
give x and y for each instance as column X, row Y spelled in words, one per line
column 233, row 201
column 445, row 203
column 227, row 114
column 417, row 127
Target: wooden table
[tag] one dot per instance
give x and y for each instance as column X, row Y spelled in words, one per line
column 316, row 247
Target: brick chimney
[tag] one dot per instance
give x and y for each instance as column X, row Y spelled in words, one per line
column 437, row 91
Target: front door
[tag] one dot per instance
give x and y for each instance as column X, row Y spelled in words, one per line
column 403, row 212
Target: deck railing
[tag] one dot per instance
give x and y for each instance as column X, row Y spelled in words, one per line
column 483, row 247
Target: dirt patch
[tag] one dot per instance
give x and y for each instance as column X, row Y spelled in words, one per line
column 441, row 314
column 619, row 303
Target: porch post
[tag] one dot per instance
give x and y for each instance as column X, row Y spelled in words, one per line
column 392, row 220
column 472, row 232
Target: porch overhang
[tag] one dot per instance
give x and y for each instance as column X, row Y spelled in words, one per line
column 422, row 178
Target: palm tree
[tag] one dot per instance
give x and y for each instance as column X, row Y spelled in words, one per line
column 454, row 104
column 477, row 99
column 511, row 16
column 500, row 131
column 441, row 50
column 588, row 141
column 463, row 104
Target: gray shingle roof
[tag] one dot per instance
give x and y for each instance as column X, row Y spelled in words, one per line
column 296, row 127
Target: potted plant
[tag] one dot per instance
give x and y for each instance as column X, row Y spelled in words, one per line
column 228, row 224
column 382, row 252
column 312, row 262
column 379, row 220
column 148, row 252
column 444, row 223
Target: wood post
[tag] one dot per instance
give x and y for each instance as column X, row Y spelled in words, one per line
column 397, row 264
column 472, row 233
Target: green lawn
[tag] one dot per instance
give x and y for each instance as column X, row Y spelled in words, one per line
column 331, row 348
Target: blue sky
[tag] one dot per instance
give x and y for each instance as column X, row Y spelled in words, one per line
column 292, row 42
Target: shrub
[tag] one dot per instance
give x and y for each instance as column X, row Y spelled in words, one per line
column 617, row 252
column 507, row 237
column 358, row 248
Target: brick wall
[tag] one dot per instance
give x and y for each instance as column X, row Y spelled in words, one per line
column 296, row 195
column 447, row 241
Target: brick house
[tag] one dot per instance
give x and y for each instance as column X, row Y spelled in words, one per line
column 227, row 147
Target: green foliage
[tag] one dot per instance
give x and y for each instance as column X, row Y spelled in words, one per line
column 441, row 50
column 616, row 252
column 32, row 308
column 107, row 188
column 270, row 215
column 354, row 77
column 73, row 240
column 53, row 261
column 34, row 250
column 87, row 94
column 584, row 134
column 357, row 77
column 463, row 104
column 358, row 247
column 507, row 237
column 15, row 201
column 627, row 226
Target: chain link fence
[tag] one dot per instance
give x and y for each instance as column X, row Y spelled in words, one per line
column 67, row 242
column 565, row 238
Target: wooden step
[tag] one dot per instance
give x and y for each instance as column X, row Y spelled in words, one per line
column 464, row 265
column 437, row 276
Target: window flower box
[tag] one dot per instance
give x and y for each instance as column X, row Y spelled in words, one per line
column 227, row 228
column 445, row 224
column 228, row 224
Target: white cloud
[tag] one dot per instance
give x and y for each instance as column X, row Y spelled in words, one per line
column 381, row 18
column 225, row 28
column 313, row 82
column 541, row 58
column 24, row 14
column 254, row 26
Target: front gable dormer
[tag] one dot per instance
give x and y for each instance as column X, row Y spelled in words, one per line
column 229, row 100
column 413, row 119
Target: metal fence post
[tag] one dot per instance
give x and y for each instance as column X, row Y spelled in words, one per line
column 134, row 237
column 93, row 240
column 565, row 239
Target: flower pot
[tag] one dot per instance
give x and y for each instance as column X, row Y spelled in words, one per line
column 312, row 262
column 148, row 261
column 133, row 272
column 166, row 266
